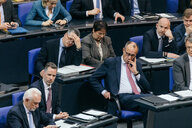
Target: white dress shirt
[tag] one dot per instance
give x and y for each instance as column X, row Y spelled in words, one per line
column 94, row 5
column 136, row 7
column 51, row 14
column 2, row 15
column 190, row 67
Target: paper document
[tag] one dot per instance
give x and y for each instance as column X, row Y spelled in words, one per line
column 153, row 60
column 184, row 94
column 95, row 112
column 60, row 123
column 165, row 15
column 85, row 117
column 168, row 97
column 72, row 70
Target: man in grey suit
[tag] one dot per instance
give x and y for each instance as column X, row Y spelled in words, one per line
column 182, row 67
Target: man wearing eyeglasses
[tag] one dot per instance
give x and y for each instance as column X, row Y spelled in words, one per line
column 62, row 52
column 182, row 30
column 123, row 78
column 182, row 67
column 159, row 42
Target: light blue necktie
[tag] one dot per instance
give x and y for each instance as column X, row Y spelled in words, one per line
column 98, row 6
column 31, row 125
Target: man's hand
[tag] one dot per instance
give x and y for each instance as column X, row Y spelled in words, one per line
column 61, row 22
column 14, row 25
column 117, row 15
column 132, row 66
column 172, row 55
column 51, row 126
column 188, row 29
column 169, row 34
column 76, row 40
column 107, row 95
column 94, row 11
column 47, row 23
column 6, row 25
column 62, row 115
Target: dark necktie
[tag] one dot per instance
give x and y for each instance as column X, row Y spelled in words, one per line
column 49, row 101
column 132, row 7
column 131, row 81
column 160, row 47
column 62, row 58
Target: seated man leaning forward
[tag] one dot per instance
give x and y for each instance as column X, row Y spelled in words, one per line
column 26, row 114
column 62, row 52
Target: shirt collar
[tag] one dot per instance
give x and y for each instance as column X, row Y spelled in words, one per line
column 158, row 36
column 46, row 87
column 190, row 58
column 61, row 43
column 122, row 60
column 26, row 110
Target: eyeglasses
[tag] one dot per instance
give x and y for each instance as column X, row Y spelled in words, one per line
column 129, row 54
column 189, row 47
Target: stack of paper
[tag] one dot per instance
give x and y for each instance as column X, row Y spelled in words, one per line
column 165, row 15
column 153, row 60
column 72, row 70
column 62, row 124
column 184, row 94
column 168, row 97
column 95, row 112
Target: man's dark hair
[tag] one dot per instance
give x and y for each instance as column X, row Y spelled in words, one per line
column 76, row 31
column 51, row 65
column 100, row 24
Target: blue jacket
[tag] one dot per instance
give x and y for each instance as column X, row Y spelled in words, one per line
column 37, row 14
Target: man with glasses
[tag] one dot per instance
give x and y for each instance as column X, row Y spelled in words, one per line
column 182, row 68
column 182, row 30
column 62, row 52
column 123, row 78
column 159, row 42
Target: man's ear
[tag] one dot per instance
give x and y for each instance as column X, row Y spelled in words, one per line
column 42, row 73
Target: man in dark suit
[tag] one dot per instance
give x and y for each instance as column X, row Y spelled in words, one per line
column 62, row 52
column 89, row 9
column 126, row 7
column 182, row 68
column 27, row 115
column 182, row 30
column 8, row 16
column 159, row 42
column 123, row 78
column 49, row 89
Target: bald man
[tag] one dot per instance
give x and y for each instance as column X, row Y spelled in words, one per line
column 159, row 42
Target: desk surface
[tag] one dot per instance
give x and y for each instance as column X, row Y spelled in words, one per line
column 153, row 107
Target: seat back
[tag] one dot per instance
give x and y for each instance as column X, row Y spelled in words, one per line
column 3, row 115
column 171, row 81
column 32, row 57
column 68, row 5
column 139, row 41
column 16, row 97
column 23, row 10
column 172, row 6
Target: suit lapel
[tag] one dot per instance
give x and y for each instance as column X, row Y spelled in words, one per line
column 35, row 119
column 155, row 42
column 187, row 68
column 43, row 93
column 118, row 69
column 95, row 48
column 57, row 48
column 23, row 112
column 55, row 12
column 5, row 12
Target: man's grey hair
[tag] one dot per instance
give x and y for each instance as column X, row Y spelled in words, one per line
column 188, row 38
column 30, row 92
column 76, row 31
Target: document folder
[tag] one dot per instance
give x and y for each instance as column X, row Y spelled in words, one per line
column 18, row 30
column 155, row 100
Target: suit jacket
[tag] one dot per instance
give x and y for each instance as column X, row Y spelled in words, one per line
column 179, row 35
column 124, row 7
column 55, row 97
column 9, row 12
column 37, row 15
column 151, row 43
column 17, row 118
column 79, row 7
column 183, row 4
column 110, row 70
column 181, row 73
column 50, row 52
column 90, row 50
